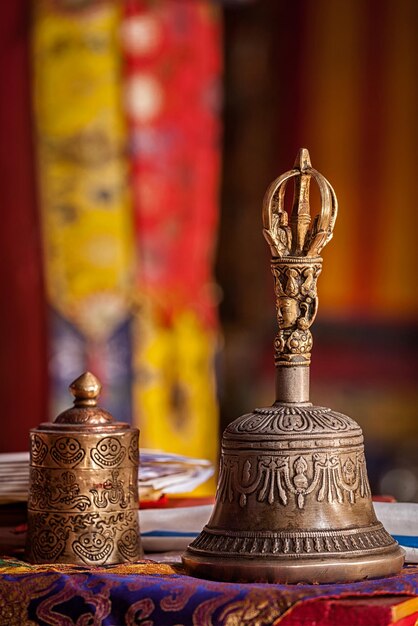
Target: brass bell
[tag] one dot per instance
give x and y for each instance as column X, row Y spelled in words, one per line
column 83, row 486
column 293, row 502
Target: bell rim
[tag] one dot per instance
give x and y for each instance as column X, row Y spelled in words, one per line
column 345, row 568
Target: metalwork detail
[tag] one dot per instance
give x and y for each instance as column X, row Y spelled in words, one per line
column 112, row 492
column 73, row 452
column 277, row 420
column 67, row 452
column 133, row 449
column 296, row 308
column 300, row 238
column 85, row 389
column 93, row 547
column 87, row 538
column 292, row 545
column 47, row 546
column 275, row 479
column 128, row 544
column 38, row 449
column 108, row 453
column 54, row 491
column 295, row 249
column 83, row 493
column 293, row 502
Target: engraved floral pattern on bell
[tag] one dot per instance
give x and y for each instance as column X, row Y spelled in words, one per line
column 274, row 480
column 284, row 419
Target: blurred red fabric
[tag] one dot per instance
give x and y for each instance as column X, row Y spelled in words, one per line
column 23, row 360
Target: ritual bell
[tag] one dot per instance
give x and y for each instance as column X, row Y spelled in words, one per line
column 293, row 502
column 83, row 489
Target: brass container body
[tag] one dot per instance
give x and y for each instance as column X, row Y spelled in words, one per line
column 83, row 494
column 293, row 502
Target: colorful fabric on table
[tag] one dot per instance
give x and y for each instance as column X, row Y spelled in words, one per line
column 99, row 597
column 84, row 196
column 11, row 565
column 172, row 64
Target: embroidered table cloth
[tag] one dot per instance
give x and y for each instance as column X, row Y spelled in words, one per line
column 150, row 594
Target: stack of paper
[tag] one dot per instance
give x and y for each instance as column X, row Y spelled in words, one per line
column 159, row 473
column 14, row 477
column 401, row 520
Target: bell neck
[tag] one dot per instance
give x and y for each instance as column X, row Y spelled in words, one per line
column 292, row 384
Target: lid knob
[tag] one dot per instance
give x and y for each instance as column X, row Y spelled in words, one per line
column 85, row 412
column 85, row 389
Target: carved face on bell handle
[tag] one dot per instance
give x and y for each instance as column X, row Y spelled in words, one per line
column 287, row 313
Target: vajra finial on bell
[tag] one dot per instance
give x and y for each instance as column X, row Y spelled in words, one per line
column 304, row 237
column 293, row 502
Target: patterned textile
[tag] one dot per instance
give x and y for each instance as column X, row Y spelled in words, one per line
column 152, row 594
column 172, row 64
column 127, row 119
column 84, row 196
